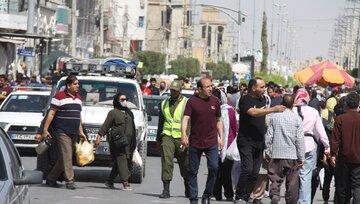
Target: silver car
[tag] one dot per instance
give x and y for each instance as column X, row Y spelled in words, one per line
column 14, row 179
column 152, row 107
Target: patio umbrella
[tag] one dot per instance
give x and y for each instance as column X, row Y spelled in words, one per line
column 331, row 76
column 304, row 75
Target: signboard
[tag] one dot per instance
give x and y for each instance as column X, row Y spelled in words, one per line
column 63, row 19
column 26, row 52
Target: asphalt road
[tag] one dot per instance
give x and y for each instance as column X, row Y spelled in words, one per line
column 91, row 188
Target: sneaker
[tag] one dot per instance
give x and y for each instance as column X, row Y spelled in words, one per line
column 52, row 183
column 126, row 187
column 109, row 184
column 70, row 186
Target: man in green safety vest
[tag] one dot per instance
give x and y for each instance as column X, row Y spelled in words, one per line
column 169, row 138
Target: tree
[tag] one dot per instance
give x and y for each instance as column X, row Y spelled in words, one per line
column 221, row 71
column 185, row 67
column 265, row 46
column 153, row 62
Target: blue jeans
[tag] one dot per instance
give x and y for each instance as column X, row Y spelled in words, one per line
column 305, row 174
column 194, row 163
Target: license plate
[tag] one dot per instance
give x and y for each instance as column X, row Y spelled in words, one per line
column 151, row 138
column 22, row 137
column 92, row 136
column 152, row 131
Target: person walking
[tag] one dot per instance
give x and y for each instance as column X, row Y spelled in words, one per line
column 121, row 122
column 169, row 138
column 206, row 136
column 285, row 140
column 251, row 137
column 225, row 163
column 345, row 156
column 314, row 133
column 64, row 115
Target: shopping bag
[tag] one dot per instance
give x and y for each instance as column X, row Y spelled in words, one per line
column 137, row 158
column 84, row 153
column 232, row 152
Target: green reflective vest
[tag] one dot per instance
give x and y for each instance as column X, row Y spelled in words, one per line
column 172, row 124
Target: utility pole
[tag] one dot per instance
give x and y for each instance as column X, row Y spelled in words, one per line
column 30, row 30
column 73, row 28
column 101, row 46
column 271, row 40
column 239, row 32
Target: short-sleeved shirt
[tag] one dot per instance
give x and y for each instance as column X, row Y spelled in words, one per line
column 5, row 91
column 203, row 114
column 68, row 113
column 251, row 129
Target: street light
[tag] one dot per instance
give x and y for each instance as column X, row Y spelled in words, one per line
column 279, row 27
column 237, row 21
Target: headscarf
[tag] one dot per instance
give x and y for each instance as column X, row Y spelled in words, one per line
column 302, row 97
column 117, row 105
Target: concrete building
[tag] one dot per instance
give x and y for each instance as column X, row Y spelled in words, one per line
column 171, row 30
column 126, row 27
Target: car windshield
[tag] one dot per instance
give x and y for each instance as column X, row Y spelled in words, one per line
column 101, row 93
column 25, row 103
column 152, row 106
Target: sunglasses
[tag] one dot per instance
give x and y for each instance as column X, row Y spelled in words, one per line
column 122, row 99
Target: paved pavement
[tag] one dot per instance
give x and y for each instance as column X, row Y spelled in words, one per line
column 91, row 189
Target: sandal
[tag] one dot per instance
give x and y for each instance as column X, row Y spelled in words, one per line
column 126, row 186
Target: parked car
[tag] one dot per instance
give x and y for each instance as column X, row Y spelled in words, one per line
column 14, row 180
column 21, row 114
column 152, row 106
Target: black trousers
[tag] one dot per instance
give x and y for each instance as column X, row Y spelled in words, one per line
column 223, row 179
column 329, row 172
column 347, row 181
column 251, row 158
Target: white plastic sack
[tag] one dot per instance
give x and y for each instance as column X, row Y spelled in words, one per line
column 137, row 158
column 84, row 153
column 232, row 152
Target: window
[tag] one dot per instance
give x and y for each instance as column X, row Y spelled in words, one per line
column 136, row 46
column 141, row 21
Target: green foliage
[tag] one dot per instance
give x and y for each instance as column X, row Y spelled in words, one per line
column 154, row 62
column 221, row 70
column 265, row 46
column 353, row 72
column 185, row 67
column 277, row 79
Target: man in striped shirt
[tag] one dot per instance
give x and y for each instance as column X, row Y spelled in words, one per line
column 285, row 140
column 64, row 115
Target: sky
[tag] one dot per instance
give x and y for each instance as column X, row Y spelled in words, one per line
column 311, row 22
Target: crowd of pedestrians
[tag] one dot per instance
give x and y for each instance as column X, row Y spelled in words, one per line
column 259, row 133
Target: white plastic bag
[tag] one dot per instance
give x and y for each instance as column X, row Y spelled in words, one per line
column 232, row 152
column 84, row 153
column 137, row 158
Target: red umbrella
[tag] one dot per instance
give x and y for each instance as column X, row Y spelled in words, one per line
column 330, row 74
column 304, row 75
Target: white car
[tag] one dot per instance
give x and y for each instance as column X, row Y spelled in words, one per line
column 21, row 114
column 97, row 94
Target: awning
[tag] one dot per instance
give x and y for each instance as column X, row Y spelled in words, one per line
column 14, row 41
column 51, row 59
